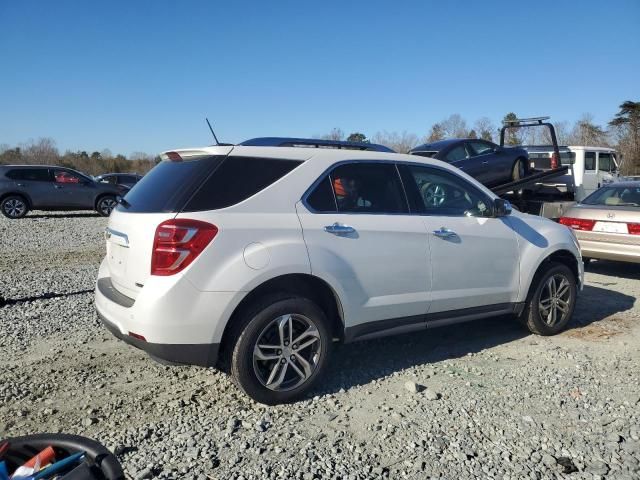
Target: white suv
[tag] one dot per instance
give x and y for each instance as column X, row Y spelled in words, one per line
column 257, row 258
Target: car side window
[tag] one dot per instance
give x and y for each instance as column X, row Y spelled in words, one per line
column 457, row 153
column 589, row 160
column 321, row 199
column 62, row 176
column 31, row 174
column 437, row 192
column 481, row 148
column 368, row 188
column 604, row 162
column 109, row 179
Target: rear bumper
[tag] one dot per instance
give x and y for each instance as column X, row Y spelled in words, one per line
column 200, row 354
column 169, row 319
column 610, row 251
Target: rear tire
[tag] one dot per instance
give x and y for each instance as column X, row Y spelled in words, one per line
column 519, row 170
column 282, row 369
column 14, row 206
column 105, row 205
column 551, row 300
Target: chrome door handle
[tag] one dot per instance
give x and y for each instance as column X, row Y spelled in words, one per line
column 57, row 186
column 486, row 162
column 444, row 233
column 20, row 184
column 339, row 229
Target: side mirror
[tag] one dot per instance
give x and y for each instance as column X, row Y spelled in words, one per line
column 501, row 207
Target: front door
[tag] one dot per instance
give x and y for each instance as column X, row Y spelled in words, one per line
column 474, row 257
column 72, row 190
column 362, row 240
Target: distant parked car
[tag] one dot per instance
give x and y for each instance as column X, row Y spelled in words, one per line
column 607, row 223
column 45, row 187
column 125, row 180
column 485, row 161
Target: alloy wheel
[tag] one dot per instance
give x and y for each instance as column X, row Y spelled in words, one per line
column 434, row 195
column 14, row 207
column 107, row 205
column 555, row 300
column 287, row 352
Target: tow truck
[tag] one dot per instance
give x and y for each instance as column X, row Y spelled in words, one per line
column 526, row 194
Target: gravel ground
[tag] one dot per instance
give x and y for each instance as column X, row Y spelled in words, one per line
column 483, row 400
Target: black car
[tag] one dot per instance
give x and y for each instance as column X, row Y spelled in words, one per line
column 46, row 187
column 485, row 161
column 125, row 180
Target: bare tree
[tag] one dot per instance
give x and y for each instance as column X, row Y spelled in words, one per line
column 586, row 132
column 334, row 134
column 454, row 126
column 42, row 151
column 399, row 142
column 435, row 134
column 485, row 128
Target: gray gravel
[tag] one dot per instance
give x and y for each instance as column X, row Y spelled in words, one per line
column 484, row 400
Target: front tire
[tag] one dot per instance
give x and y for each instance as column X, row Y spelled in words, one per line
column 14, row 207
column 282, row 349
column 551, row 303
column 106, row 204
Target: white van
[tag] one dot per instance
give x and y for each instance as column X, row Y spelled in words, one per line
column 591, row 167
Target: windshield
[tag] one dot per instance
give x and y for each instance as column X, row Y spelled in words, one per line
column 623, row 196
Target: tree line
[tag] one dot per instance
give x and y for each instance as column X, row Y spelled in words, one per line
column 43, row 151
column 622, row 133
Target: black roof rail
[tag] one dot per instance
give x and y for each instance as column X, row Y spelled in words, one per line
column 314, row 143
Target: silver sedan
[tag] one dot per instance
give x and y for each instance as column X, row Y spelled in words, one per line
column 607, row 223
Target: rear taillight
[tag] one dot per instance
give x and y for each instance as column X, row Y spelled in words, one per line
column 634, row 228
column 177, row 243
column 554, row 161
column 578, row 223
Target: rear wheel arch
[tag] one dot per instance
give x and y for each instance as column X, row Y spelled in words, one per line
column 26, row 197
column 285, row 286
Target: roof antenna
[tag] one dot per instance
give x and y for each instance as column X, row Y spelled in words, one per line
column 212, row 132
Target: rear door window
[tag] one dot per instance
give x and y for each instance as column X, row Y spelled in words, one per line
column 368, row 188
column 236, row 179
column 30, row 174
column 321, row 199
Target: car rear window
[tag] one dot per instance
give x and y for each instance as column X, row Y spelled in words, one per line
column 236, row 179
column 615, row 196
column 168, row 186
column 33, row 174
column 203, row 184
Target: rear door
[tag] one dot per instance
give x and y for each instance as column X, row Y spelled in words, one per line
column 34, row 183
column 362, row 239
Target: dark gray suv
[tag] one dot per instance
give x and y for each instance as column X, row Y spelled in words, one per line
column 45, row 187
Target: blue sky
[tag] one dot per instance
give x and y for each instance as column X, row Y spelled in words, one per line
column 141, row 76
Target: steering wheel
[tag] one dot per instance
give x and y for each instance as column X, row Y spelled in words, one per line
column 433, row 194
